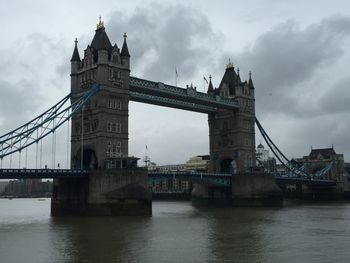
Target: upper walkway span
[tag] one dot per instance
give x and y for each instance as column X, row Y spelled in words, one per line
column 161, row 94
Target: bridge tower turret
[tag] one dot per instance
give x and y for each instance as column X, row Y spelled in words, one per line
column 100, row 131
column 231, row 133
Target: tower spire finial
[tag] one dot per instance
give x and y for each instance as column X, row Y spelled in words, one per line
column 100, row 23
column 76, row 41
column 229, row 65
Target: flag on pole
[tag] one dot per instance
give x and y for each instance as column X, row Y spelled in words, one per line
column 205, row 79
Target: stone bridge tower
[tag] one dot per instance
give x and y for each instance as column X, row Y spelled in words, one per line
column 99, row 140
column 100, row 131
column 232, row 133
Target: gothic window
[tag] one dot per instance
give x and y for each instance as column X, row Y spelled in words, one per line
column 109, row 149
column 119, row 148
column 115, row 127
column 110, row 103
column 119, row 127
column 115, row 58
column 95, row 124
column 116, row 74
column 117, row 104
column 114, row 104
column 113, row 149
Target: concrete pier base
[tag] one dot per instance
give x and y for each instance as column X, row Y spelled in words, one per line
column 117, row 192
column 247, row 190
column 257, row 189
column 203, row 194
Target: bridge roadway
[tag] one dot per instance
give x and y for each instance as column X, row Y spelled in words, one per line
column 208, row 178
column 42, row 173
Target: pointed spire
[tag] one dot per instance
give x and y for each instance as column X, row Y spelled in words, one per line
column 101, row 40
column 75, row 56
column 210, row 87
column 250, row 82
column 238, row 77
column 125, row 50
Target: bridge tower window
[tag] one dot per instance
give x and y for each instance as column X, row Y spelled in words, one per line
column 114, row 127
column 114, row 149
column 114, row 74
column 114, row 104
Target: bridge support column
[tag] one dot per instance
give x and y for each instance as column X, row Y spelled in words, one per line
column 206, row 194
column 105, row 192
column 255, row 189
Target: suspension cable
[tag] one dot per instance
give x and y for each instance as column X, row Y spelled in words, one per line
column 19, row 160
column 285, row 161
column 41, row 153
column 22, row 137
column 68, row 144
column 26, row 158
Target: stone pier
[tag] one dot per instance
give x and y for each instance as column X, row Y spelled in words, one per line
column 118, row 192
column 253, row 189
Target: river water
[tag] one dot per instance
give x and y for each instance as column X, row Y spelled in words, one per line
column 177, row 232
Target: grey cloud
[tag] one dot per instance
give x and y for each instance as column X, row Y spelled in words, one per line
column 337, row 99
column 17, row 100
column 159, row 42
column 285, row 58
column 29, row 80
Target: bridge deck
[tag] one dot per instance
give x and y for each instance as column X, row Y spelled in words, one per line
column 209, row 178
column 42, row 173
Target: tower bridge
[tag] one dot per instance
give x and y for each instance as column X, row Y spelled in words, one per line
column 103, row 178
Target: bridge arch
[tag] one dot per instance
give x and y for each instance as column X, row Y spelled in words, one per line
column 89, row 158
column 228, row 166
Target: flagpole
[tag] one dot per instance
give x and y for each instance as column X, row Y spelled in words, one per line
column 176, row 76
column 203, row 84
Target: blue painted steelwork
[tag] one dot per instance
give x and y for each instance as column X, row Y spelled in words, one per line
column 325, row 170
column 307, row 181
column 223, row 180
column 46, row 123
column 42, row 173
column 297, row 172
column 209, row 178
column 188, row 99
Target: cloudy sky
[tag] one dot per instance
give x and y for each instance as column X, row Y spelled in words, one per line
column 298, row 52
